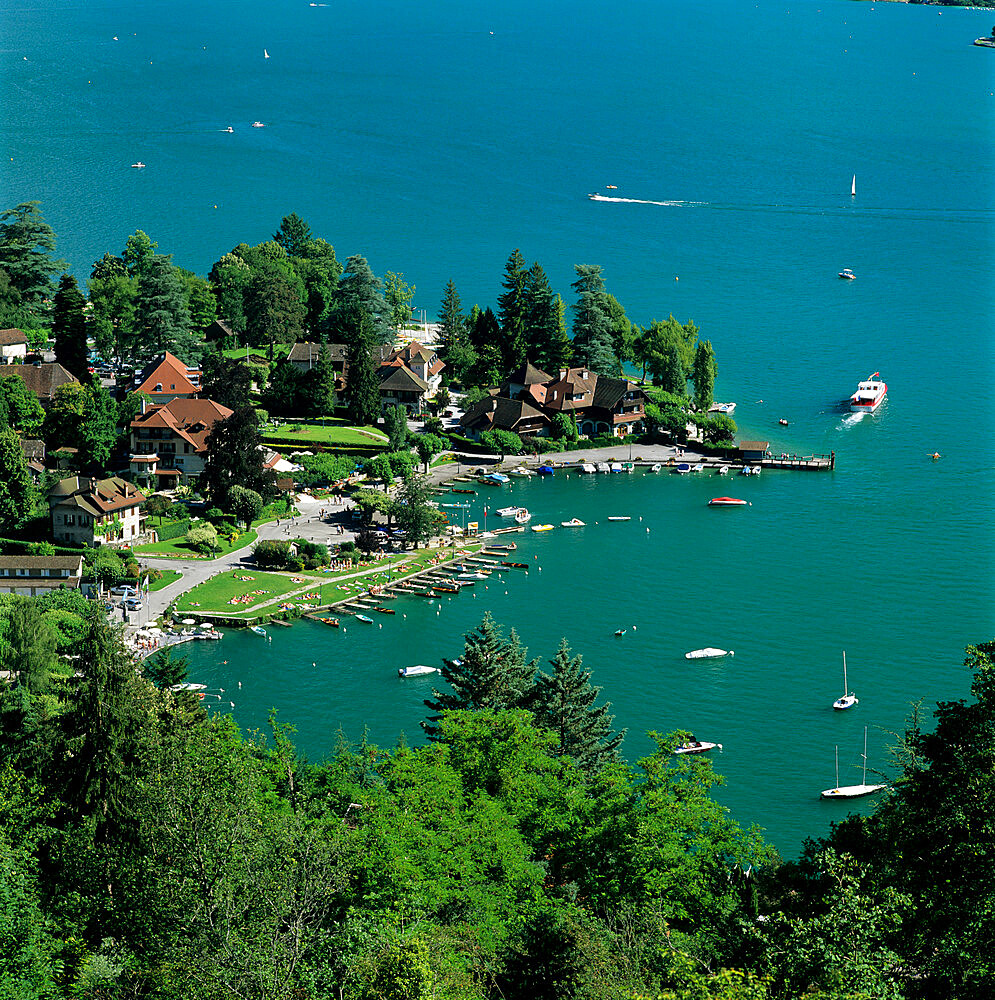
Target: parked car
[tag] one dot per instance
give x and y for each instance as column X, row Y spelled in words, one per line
column 123, row 591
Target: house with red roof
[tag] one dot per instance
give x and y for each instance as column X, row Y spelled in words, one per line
column 166, row 378
column 169, row 442
column 89, row 511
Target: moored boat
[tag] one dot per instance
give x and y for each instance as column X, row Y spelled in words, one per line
column 574, row 522
column 546, row 470
column 603, row 467
column 515, row 565
column 707, row 653
column 656, row 467
column 848, row 699
column 384, row 611
column 615, row 467
column 523, row 516
column 508, row 511
column 542, row 527
column 364, row 619
column 258, row 629
column 682, row 468
column 727, row 502
column 723, row 470
column 852, row 791
column 869, row 395
column 334, row 622
column 587, row 469
column 619, row 517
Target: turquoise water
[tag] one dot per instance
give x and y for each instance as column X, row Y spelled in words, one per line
column 417, row 137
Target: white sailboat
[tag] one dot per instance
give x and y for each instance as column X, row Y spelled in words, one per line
column 851, row 791
column 853, row 187
column 265, row 54
column 849, row 699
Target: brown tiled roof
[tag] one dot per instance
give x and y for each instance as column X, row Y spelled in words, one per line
column 95, row 497
column 34, row 450
column 417, row 352
column 168, row 371
column 404, row 380
column 528, row 374
column 12, row 336
column 41, row 562
column 189, row 419
column 307, row 353
column 574, row 383
column 42, row 380
column 500, row 413
column 754, row 445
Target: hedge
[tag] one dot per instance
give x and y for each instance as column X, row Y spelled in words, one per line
column 17, row 546
column 177, row 529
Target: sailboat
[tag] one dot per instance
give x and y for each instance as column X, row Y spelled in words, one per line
column 849, row 699
column 265, row 54
column 851, row 791
column 853, row 187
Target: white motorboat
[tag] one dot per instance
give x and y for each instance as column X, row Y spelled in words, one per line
column 616, row 467
column 619, row 517
column 656, row 467
column 187, row 687
column 852, row 791
column 574, row 522
column 418, row 670
column 523, row 516
column 472, row 576
column 697, row 467
column 697, row 746
column 709, row 652
column 587, row 469
column 521, row 472
column 258, row 125
column 726, row 408
column 258, row 629
column 869, row 395
column 723, row 470
column 847, row 275
column 138, row 166
column 603, row 467
column 849, row 699
column 508, row 511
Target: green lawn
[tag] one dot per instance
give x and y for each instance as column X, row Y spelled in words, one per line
column 168, row 576
column 331, row 431
column 213, row 596
column 177, row 548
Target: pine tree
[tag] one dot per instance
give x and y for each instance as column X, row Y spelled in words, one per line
column 162, row 320
column 564, row 702
column 363, row 387
column 27, row 243
column 485, row 335
column 16, row 491
column 545, row 334
column 69, row 327
column 358, row 288
column 319, row 384
column 234, row 459
column 704, row 375
column 293, row 235
column 512, row 309
column 592, row 340
column 492, row 673
column 452, row 322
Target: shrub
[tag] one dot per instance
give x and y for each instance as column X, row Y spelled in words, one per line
column 272, row 554
column 177, row 529
column 312, row 555
column 202, row 537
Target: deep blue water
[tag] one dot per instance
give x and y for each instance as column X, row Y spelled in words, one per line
column 422, row 140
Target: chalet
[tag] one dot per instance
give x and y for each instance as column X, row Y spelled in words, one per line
column 304, row 357
column 169, row 442
column 527, row 382
column 501, row 413
column 32, row 576
column 41, row 379
column 166, row 378
column 618, row 409
column 13, row 346
column 400, row 386
column 423, row 361
column 87, row 511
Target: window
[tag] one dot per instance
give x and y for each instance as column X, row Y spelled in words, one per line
column 69, row 518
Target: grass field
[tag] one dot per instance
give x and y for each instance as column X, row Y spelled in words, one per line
column 331, row 431
column 168, row 576
column 213, row 596
column 177, row 548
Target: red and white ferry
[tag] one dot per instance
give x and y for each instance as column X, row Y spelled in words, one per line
column 869, row 395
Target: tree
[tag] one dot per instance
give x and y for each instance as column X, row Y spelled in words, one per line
column 17, row 495
column 27, row 243
column 398, row 294
column 203, row 536
column 23, row 410
column 545, row 331
column 452, row 322
column 245, row 504
column 592, row 331
column 229, row 280
column 359, row 293
column 564, row 702
column 319, row 384
column 412, row 510
column 227, row 381
column 161, row 315
column 105, row 566
column 234, row 458
column 286, row 393
column 293, row 235
column 84, row 416
column 493, row 673
column 273, row 310
column 512, row 312
column 704, row 375
column 379, row 467
column 69, row 328
column 363, row 390
column 139, row 253
column 30, row 647
column 427, row 445
column 501, row 441
column 395, row 420
column 621, row 329
column 565, row 426
column 199, row 300
column 159, row 506
column 671, row 374
column 167, row 668
column 485, row 338
column 113, row 300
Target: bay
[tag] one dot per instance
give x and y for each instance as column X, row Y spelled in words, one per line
column 431, row 145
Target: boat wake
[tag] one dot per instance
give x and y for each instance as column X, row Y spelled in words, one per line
column 643, row 201
column 850, row 420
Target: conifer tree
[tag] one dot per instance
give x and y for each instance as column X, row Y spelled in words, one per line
column 69, row 327
column 704, row 375
column 234, row 459
column 452, row 322
column 592, row 340
column 30, row 646
column 293, row 235
column 359, row 288
column 27, row 243
column 492, row 673
column 485, row 334
column 363, row 387
column 319, row 383
column 512, row 309
column 564, row 702
column 161, row 315
column 16, row 491
column 395, row 421
column 548, row 344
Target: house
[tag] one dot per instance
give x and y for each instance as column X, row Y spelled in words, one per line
column 526, row 382
column 500, row 413
column 34, row 455
column 423, row 361
column 754, row 451
column 400, row 386
column 169, row 442
column 166, row 378
column 618, row 409
column 13, row 346
column 32, row 576
column 41, row 379
column 219, row 330
column 304, row 357
column 86, row 511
